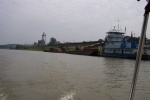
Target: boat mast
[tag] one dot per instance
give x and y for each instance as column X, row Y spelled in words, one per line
column 118, row 25
column 140, row 48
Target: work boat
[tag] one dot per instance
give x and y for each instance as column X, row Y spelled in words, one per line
column 119, row 45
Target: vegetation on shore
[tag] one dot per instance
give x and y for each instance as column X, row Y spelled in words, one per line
column 47, row 47
column 53, row 45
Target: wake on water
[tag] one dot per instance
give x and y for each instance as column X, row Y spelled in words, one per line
column 68, row 95
column 3, row 95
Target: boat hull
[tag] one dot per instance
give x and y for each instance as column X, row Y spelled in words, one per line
column 129, row 56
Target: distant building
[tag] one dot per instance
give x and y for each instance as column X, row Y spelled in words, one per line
column 35, row 43
column 43, row 41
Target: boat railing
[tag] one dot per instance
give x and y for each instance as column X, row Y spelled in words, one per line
column 140, row 49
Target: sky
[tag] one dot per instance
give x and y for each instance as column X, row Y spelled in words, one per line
column 24, row 21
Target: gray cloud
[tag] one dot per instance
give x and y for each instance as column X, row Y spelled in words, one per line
column 23, row 21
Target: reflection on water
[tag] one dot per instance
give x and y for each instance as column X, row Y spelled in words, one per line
column 28, row 75
column 117, row 79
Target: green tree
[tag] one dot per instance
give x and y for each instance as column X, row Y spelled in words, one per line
column 52, row 41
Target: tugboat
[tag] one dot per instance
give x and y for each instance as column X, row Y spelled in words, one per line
column 119, row 45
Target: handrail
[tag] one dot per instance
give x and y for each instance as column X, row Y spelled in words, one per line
column 139, row 53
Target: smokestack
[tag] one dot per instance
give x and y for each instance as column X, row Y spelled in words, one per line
column 131, row 34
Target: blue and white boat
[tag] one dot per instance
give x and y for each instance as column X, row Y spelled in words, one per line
column 119, row 45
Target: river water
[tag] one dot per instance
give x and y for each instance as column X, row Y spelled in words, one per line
column 33, row 75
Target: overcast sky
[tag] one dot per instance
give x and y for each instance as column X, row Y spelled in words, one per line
column 24, row 21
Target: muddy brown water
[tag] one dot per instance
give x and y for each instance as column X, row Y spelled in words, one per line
column 33, row 75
